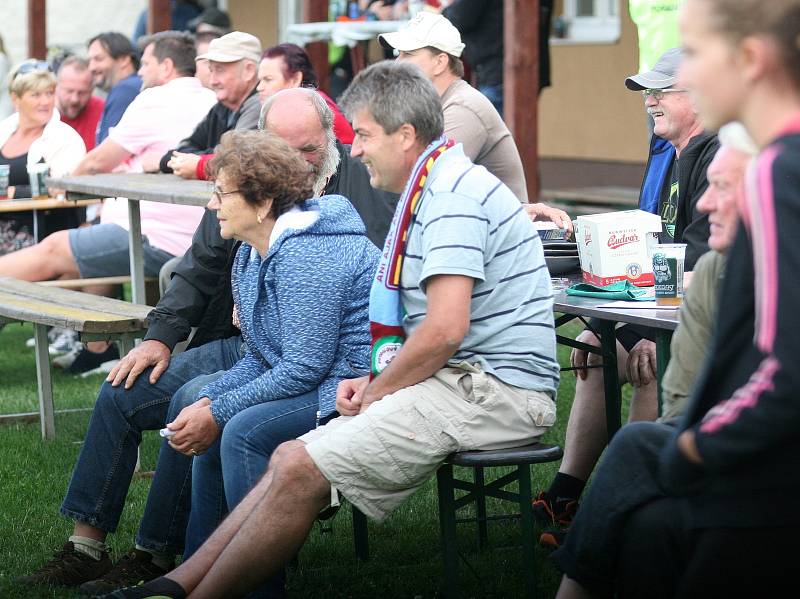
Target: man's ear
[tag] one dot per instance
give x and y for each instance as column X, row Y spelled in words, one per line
column 408, row 136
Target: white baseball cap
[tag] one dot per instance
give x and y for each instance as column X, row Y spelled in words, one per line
column 236, row 45
column 425, row 29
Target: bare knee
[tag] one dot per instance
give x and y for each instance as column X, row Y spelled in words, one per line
column 296, row 472
column 283, row 450
column 58, row 253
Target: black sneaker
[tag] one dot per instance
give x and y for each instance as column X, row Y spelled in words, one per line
column 87, row 360
column 136, row 567
column 69, row 568
column 548, row 514
column 162, row 588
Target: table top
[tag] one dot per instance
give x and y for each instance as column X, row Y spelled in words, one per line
column 588, row 306
column 45, row 204
column 167, row 189
column 341, row 33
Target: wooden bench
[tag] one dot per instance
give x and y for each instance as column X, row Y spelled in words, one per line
column 592, row 200
column 152, row 292
column 94, row 317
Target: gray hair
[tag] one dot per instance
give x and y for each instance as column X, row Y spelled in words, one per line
column 735, row 136
column 396, row 93
column 330, row 160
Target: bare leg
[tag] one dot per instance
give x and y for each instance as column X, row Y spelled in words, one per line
column 586, row 428
column 644, row 403
column 570, row 589
column 50, row 259
column 273, row 532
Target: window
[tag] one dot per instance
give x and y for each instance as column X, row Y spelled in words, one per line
column 588, row 21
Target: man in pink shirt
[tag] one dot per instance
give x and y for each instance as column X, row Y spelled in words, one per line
column 78, row 107
column 166, row 111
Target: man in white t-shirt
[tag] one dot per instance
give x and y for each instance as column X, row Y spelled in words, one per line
column 166, row 111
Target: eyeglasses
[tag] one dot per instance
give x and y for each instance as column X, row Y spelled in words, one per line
column 33, row 66
column 218, row 193
column 658, row 94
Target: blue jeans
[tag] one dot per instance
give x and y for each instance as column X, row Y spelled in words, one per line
column 102, row 475
column 495, row 95
column 237, row 461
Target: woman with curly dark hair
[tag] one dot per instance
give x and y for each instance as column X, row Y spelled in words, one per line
column 301, row 280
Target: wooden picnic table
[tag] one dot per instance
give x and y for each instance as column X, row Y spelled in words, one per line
column 592, row 199
column 137, row 187
column 37, row 206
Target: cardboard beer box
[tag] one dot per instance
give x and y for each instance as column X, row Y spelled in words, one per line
column 614, row 246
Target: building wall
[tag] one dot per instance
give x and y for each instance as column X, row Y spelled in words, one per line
column 257, row 17
column 70, row 23
column 588, row 113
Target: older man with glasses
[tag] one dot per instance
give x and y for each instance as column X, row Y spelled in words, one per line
column 674, row 181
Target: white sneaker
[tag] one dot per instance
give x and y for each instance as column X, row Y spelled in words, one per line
column 60, row 341
column 66, row 360
column 64, row 343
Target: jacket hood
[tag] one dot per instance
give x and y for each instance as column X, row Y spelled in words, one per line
column 327, row 215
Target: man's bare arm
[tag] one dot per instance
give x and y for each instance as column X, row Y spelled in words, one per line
column 103, row 159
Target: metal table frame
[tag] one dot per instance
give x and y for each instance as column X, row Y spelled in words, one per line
column 663, row 321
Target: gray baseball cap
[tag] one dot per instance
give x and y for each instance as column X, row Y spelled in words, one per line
column 662, row 76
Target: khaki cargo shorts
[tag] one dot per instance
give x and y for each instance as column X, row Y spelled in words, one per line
column 379, row 458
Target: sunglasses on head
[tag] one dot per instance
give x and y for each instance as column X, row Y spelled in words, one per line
column 33, row 66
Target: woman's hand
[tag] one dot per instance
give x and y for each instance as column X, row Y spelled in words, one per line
column 196, row 429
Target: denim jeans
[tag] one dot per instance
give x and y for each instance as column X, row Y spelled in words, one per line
column 495, row 95
column 240, row 458
column 625, row 480
column 102, row 475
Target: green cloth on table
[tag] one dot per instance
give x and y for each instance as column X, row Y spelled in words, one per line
column 621, row 290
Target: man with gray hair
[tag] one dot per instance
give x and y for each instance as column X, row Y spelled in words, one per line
column 462, row 279
column 199, row 296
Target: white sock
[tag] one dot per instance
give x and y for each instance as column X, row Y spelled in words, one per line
column 90, row 547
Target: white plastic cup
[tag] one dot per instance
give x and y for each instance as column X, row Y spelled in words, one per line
column 668, row 260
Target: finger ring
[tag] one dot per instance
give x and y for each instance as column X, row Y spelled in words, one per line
column 194, row 452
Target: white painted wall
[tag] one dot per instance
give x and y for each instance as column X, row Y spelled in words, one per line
column 70, row 23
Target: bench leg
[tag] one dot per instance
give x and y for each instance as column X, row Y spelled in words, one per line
column 44, row 381
column 447, row 523
column 360, row 534
column 526, row 521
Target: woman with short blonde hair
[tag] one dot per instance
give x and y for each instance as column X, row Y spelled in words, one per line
column 34, row 134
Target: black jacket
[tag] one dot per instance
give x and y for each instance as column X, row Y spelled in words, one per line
column 219, row 120
column 199, row 294
column 745, row 407
column 480, row 23
column 691, row 226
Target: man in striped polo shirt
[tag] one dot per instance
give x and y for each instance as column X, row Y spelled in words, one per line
column 463, row 344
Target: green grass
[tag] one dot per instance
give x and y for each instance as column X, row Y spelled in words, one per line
column 405, row 558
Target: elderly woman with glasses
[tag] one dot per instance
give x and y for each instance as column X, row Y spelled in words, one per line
column 33, row 134
column 301, row 280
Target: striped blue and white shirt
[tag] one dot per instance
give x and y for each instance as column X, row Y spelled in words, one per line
column 471, row 224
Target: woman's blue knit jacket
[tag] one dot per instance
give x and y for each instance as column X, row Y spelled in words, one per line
column 303, row 312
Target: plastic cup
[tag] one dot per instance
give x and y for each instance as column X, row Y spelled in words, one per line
column 5, row 169
column 668, row 259
column 37, row 173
